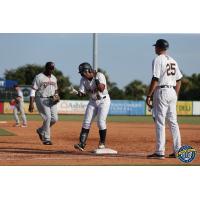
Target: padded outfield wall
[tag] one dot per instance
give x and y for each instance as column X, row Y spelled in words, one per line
column 118, row 107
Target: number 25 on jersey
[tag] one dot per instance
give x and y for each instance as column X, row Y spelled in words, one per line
column 171, row 70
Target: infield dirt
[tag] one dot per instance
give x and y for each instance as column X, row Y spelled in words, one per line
column 133, row 141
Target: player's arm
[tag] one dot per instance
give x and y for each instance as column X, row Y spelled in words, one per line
column 100, row 86
column 32, row 100
column 152, row 87
column 178, row 86
column 100, row 82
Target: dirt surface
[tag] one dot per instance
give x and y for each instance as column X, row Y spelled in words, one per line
column 133, row 141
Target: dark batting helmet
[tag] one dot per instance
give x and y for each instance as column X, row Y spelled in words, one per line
column 83, row 67
column 50, row 65
column 161, row 43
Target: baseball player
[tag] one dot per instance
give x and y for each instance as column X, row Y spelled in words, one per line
column 44, row 88
column 165, row 86
column 94, row 84
column 19, row 107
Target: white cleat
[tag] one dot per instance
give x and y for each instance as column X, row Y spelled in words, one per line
column 24, row 126
column 101, row 146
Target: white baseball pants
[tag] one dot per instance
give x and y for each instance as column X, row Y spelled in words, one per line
column 164, row 104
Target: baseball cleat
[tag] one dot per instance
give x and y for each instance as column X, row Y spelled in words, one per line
column 16, row 125
column 79, row 147
column 47, row 142
column 40, row 134
column 172, row 155
column 101, row 146
column 24, row 126
column 156, row 156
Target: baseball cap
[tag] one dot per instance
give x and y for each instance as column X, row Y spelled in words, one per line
column 16, row 85
column 50, row 65
column 162, row 44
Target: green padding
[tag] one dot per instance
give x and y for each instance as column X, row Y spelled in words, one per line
column 5, row 133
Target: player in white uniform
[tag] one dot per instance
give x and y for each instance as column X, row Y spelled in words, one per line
column 44, row 87
column 19, row 107
column 164, row 87
column 94, row 84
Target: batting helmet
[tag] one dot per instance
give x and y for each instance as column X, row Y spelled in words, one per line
column 50, row 65
column 161, row 43
column 83, row 67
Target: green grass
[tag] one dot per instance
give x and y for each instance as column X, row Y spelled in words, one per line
column 132, row 119
column 5, row 133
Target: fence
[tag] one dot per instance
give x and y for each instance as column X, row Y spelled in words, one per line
column 118, row 107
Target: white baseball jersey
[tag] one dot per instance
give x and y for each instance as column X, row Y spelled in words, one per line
column 20, row 94
column 89, row 87
column 166, row 70
column 45, row 86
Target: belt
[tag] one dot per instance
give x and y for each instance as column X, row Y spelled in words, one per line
column 99, row 98
column 46, row 97
column 166, row 86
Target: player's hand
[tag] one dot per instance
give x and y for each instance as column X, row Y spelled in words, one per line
column 31, row 108
column 72, row 90
column 148, row 101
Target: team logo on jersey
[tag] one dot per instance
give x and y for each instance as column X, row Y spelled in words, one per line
column 186, row 154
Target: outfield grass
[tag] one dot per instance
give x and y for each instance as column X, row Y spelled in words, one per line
column 140, row 119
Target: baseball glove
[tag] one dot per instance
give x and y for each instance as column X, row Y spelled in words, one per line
column 55, row 98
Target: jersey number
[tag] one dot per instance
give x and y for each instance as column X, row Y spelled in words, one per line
column 171, row 70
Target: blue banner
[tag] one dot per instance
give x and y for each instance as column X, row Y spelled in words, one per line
column 126, row 107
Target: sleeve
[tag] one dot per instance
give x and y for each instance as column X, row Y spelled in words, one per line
column 56, row 85
column 156, row 68
column 35, row 84
column 20, row 94
column 178, row 73
column 101, row 78
column 82, row 86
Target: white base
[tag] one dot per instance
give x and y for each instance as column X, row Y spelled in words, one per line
column 105, row 151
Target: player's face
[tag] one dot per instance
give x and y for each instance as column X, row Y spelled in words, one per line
column 87, row 75
column 159, row 50
column 49, row 70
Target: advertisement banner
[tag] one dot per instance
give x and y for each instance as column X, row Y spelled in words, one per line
column 8, row 109
column 126, row 107
column 1, row 107
column 196, row 107
column 72, row 107
column 184, row 108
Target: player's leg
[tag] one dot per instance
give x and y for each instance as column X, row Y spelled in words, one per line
column 45, row 112
column 102, row 114
column 54, row 115
column 172, row 121
column 15, row 114
column 90, row 113
column 22, row 112
column 160, row 109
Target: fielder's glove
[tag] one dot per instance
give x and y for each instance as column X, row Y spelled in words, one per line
column 55, row 98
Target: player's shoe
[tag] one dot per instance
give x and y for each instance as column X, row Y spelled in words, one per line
column 47, row 142
column 24, row 126
column 16, row 125
column 172, row 155
column 101, row 146
column 40, row 134
column 80, row 147
column 156, row 156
